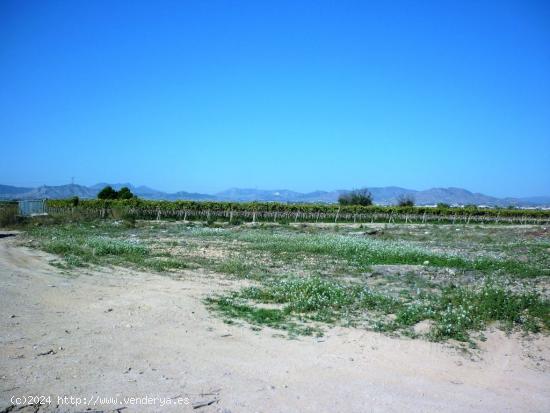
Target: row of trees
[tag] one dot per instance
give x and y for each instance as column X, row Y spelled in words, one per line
column 109, row 193
column 356, row 198
column 363, row 197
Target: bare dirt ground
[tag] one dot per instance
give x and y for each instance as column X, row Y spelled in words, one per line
column 115, row 332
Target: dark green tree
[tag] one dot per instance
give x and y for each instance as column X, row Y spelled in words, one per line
column 125, row 193
column 405, row 200
column 74, row 200
column 356, row 197
column 107, row 193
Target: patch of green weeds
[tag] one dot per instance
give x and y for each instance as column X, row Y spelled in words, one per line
column 234, row 266
column 455, row 313
column 369, row 251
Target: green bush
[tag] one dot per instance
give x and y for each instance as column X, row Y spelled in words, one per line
column 8, row 214
column 107, row 193
column 125, row 193
column 405, row 200
column 356, row 197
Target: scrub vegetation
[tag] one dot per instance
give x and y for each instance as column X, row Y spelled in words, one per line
column 433, row 281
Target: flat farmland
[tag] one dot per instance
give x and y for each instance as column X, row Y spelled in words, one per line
column 279, row 317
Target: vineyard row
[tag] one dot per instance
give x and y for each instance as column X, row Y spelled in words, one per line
column 264, row 212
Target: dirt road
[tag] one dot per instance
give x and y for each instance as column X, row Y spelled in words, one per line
column 121, row 333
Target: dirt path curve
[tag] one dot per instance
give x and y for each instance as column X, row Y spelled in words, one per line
column 122, row 333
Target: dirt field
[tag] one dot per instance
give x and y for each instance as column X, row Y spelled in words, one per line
column 123, row 333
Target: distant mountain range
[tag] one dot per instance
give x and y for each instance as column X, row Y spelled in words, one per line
column 382, row 195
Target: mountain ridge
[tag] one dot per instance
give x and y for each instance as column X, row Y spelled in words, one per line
column 381, row 195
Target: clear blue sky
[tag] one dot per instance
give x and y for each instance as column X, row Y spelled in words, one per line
column 303, row 95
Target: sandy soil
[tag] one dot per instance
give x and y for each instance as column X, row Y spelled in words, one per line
column 121, row 333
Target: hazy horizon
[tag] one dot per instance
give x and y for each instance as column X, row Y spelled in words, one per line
column 137, row 185
column 304, row 96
